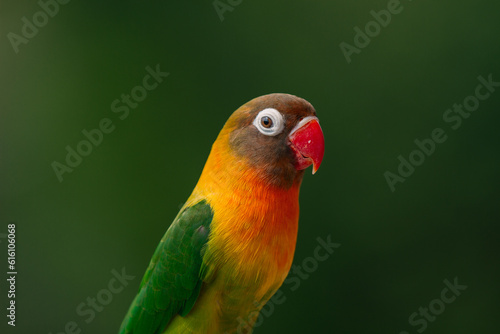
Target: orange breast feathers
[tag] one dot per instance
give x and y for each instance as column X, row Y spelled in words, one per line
column 254, row 230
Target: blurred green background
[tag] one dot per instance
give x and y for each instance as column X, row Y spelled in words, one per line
column 111, row 211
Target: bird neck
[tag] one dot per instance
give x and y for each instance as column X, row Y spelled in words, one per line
column 228, row 177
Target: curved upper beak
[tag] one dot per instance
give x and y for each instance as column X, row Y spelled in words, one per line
column 308, row 143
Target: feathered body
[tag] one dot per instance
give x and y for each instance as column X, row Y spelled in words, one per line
column 253, row 199
column 254, row 232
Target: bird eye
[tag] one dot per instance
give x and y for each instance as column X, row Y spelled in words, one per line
column 266, row 122
column 269, row 122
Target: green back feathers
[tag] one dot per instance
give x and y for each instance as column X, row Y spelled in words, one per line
column 172, row 281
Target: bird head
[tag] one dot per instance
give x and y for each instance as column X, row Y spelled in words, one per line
column 278, row 135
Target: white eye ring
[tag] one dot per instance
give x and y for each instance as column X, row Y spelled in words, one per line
column 277, row 125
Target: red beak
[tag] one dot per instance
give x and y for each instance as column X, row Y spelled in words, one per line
column 308, row 143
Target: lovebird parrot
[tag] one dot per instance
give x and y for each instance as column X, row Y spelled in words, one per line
column 231, row 245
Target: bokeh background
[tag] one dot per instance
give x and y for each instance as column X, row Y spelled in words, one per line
column 111, row 211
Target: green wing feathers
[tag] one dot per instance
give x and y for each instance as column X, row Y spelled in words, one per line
column 172, row 281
